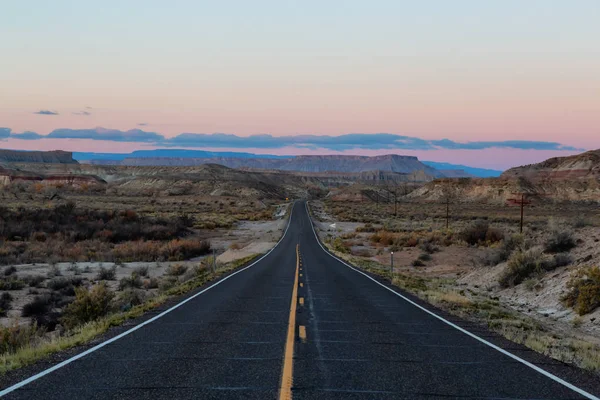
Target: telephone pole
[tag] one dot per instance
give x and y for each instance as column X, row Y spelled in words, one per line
column 522, row 202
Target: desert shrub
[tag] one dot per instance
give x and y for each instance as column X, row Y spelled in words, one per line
column 480, row 232
column 34, row 280
column 176, row 270
column 90, row 304
column 361, row 252
column 167, row 283
column 365, row 228
column 142, row 271
column 417, row 263
column 15, row 337
column 151, row 283
column 74, row 269
column 583, row 290
column 133, row 281
column 521, row 265
column 130, row 298
column 429, row 247
column 61, row 283
column 557, row 261
column 9, row 271
column 5, row 303
column 12, row 283
column 54, row 271
column 425, row 257
column 581, row 222
column 383, row 237
column 503, row 253
column 339, row 245
column 40, row 305
column 107, row 274
column 559, row 242
column 235, row 246
column 174, row 250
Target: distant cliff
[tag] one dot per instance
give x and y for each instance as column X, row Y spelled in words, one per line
column 317, row 164
column 51, row 157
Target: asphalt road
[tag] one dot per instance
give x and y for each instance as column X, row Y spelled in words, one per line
column 352, row 338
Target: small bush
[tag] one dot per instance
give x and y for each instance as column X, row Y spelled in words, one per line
column 89, row 305
column 481, row 233
column 521, row 266
column 417, row 263
column 133, row 281
column 54, row 271
column 34, row 280
column 583, row 290
column 339, row 245
column 40, row 305
column 151, row 283
column 557, row 261
column 63, row 282
column 13, row 283
column 365, row 228
column 130, row 298
column 142, row 271
column 15, row 337
column 581, row 222
column 559, row 242
column 429, row 247
column 510, row 244
column 5, row 303
column 9, row 271
column 362, row 253
column 106, row 274
column 176, row 270
column 425, row 257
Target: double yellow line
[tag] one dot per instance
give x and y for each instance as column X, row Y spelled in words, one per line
column 285, row 391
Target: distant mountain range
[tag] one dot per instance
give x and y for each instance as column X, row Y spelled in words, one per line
column 178, row 157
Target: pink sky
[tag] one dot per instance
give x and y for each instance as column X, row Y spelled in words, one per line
column 462, row 70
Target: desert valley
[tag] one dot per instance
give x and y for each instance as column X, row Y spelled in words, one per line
column 149, row 228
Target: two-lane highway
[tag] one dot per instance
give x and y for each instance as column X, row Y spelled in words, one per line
column 300, row 323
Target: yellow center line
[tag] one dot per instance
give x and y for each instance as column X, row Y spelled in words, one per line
column 301, row 284
column 285, row 391
column 301, row 301
column 302, row 333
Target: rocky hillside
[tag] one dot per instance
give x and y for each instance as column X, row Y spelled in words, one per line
column 10, row 175
column 55, row 157
column 574, row 178
column 312, row 164
column 578, row 167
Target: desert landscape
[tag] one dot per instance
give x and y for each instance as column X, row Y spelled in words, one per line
column 119, row 237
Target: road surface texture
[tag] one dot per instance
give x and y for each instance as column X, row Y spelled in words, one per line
column 301, row 324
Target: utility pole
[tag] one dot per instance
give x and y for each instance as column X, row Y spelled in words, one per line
column 522, row 203
column 447, row 212
column 392, row 267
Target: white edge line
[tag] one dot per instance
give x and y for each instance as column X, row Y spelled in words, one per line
column 135, row 328
column 493, row 346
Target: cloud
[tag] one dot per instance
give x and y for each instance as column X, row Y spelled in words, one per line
column 114, row 135
column 143, row 124
column 28, row 135
column 46, row 112
column 84, row 113
column 89, row 108
column 5, row 133
column 370, row 141
column 352, row 141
